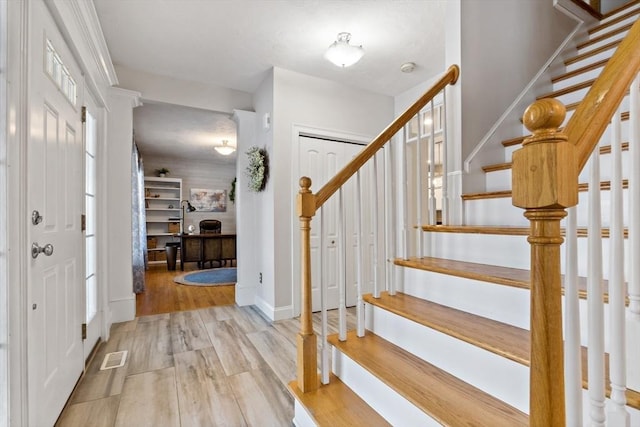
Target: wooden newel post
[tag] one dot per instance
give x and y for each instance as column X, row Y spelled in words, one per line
column 545, row 182
column 307, row 365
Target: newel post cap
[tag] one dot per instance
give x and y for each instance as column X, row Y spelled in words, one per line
column 306, row 201
column 545, row 169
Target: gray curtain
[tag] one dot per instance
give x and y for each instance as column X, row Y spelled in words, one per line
column 138, row 221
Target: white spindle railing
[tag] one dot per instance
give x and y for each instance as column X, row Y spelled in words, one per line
column 624, row 323
column 360, row 218
column 617, row 415
column 572, row 344
column 594, row 296
column 633, row 314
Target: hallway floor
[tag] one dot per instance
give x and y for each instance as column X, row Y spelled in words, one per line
column 223, row 365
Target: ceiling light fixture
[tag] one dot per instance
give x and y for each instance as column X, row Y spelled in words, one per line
column 225, row 149
column 341, row 53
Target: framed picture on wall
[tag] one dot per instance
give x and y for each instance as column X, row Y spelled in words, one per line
column 205, row 200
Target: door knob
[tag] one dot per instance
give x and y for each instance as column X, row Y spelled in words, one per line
column 36, row 250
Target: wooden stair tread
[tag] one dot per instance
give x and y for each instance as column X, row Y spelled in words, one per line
column 593, row 52
column 568, row 89
column 507, row 231
column 507, row 276
column 515, row 277
column 499, row 338
column 335, row 404
column 604, row 186
column 445, row 398
column 604, row 36
column 616, row 20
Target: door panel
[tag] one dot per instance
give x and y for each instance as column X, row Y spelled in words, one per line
column 54, row 186
column 320, row 160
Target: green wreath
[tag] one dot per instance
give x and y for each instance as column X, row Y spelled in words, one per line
column 258, row 169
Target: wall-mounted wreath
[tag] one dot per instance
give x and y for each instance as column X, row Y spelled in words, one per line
column 258, row 168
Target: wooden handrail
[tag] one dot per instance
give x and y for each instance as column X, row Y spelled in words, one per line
column 594, row 113
column 449, row 77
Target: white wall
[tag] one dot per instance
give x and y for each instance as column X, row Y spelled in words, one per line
column 198, row 174
column 262, row 203
column 503, row 46
column 122, row 302
column 246, row 206
column 316, row 103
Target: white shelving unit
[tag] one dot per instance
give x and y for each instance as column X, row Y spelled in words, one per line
column 162, row 206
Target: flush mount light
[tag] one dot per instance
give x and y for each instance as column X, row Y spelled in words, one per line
column 225, row 148
column 408, row 67
column 341, row 53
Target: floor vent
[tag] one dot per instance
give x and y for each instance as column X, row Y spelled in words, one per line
column 114, row 360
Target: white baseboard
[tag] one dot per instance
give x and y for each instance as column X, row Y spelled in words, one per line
column 273, row 313
column 123, row 310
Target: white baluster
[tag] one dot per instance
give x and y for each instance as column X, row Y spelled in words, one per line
column 418, row 179
column 445, row 147
column 617, row 415
column 376, row 227
column 324, row 346
column 432, row 169
column 405, row 202
column 391, row 203
column 388, row 215
column 342, row 271
column 572, row 347
column 360, row 258
column 594, row 297
column 633, row 313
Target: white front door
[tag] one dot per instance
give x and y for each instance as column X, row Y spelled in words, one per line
column 55, row 196
column 320, row 160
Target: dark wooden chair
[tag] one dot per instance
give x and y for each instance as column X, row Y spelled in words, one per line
column 210, row 226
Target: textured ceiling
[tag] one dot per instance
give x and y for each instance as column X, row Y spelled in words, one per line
column 234, row 43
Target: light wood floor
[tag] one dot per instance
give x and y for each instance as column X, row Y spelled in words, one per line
column 217, row 366
column 163, row 295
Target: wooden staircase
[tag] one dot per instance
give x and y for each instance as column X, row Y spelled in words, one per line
column 453, row 348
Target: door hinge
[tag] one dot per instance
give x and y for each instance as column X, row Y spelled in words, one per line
column 84, row 115
column 83, row 222
column 84, row 331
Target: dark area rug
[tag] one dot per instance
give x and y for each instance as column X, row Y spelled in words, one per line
column 211, row 277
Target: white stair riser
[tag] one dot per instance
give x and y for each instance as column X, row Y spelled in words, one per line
column 505, row 304
column 388, row 403
column 301, row 417
column 611, row 38
column 500, row 211
column 507, row 251
column 590, row 60
column 587, row 75
column 496, row 375
column 617, row 24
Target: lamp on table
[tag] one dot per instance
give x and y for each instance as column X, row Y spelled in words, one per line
column 190, row 208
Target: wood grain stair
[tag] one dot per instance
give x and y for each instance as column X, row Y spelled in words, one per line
column 507, row 276
column 442, row 396
column 499, row 338
column 506, row 231
column 335, row 404
column 604, row 186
